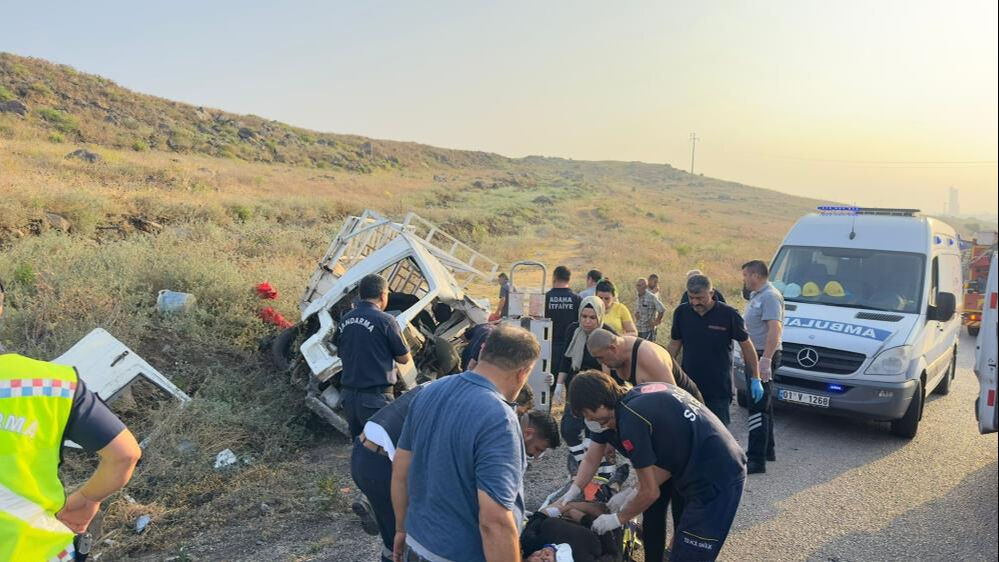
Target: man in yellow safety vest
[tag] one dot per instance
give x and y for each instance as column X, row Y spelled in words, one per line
column 42, row 404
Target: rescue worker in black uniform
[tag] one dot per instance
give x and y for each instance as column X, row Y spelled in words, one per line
column 370, row 345
column 562, row 308
column 669, row 437
column 374, row 449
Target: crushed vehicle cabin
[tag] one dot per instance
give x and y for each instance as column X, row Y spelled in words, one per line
column 427, row 271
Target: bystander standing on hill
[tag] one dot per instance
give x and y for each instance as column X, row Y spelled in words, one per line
column 654, row 284
column 593, row 277
column 649, row 311
column 503, row 306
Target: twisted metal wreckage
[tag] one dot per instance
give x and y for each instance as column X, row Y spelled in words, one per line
column 428, row 272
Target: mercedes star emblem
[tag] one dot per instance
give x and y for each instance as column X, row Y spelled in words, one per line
column 808, row 357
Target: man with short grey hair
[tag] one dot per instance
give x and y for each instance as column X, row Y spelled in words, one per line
column 715, row 294
column 765, row 324
column 704, row 329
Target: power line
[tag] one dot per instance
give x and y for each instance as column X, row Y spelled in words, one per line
column 890, row 162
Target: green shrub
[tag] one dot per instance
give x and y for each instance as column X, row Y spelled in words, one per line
column 82, row 208
column 140, row 146
column 5, row 94
column 24, row 275
column 56, row 138
column 61, row 120
column 40, row 88
column 242, row 212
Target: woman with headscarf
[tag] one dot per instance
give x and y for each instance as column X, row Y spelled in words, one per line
column 616, row 314
column 577, row 358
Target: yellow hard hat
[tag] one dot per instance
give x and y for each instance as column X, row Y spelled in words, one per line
column 810, row 289
column 834, row 289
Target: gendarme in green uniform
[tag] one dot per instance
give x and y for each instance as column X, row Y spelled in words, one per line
column 36, row 398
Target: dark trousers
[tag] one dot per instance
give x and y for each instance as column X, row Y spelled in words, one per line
column 372, row 472
column 720, row 408
column 360, row 404
column 761, row 417
column 558, row 351
column 650, row 335
column 707, row 517
column 654, row 522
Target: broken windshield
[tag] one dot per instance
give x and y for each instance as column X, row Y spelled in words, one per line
column 869, row 279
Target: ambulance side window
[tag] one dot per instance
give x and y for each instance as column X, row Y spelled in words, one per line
column 934, row 281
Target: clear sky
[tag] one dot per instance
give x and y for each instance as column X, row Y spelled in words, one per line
column 875, row 102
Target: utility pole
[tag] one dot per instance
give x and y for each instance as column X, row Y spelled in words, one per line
column 693, row 142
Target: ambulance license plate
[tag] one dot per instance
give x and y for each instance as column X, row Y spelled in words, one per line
column 803, row 398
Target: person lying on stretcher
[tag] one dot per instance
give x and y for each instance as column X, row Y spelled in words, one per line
column 548, row 531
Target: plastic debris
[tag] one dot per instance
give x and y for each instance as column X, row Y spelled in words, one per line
column 225, row 458
column 168, row 302
column 142, row 522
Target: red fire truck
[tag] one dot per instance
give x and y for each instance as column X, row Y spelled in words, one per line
column 976, row 273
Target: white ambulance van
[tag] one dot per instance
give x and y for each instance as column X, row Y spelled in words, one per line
column 869, row 327
column 985, row 357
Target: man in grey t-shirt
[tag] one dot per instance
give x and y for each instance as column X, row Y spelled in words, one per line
column 457, row 475
column 764, row 322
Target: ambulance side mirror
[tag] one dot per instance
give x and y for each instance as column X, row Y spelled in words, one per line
column 943, row 311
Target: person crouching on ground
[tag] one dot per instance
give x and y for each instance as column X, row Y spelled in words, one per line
column 669, row 437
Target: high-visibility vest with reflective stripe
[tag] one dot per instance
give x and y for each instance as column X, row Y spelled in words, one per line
column 36, row 398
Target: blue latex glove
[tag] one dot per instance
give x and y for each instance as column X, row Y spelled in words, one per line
column 757, row 390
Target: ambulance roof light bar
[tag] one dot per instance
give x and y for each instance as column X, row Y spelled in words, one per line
column 851, row 210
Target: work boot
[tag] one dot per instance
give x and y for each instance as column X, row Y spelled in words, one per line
column 771, row 456
column 363, row 510
column 756, row 467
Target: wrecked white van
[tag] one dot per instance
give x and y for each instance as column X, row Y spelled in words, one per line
column 427, row 272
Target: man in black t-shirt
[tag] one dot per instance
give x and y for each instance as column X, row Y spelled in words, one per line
column 704, row 328
column 562, row 308
column 669, row 437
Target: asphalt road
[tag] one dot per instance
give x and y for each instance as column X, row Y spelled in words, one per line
column 843, row 489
